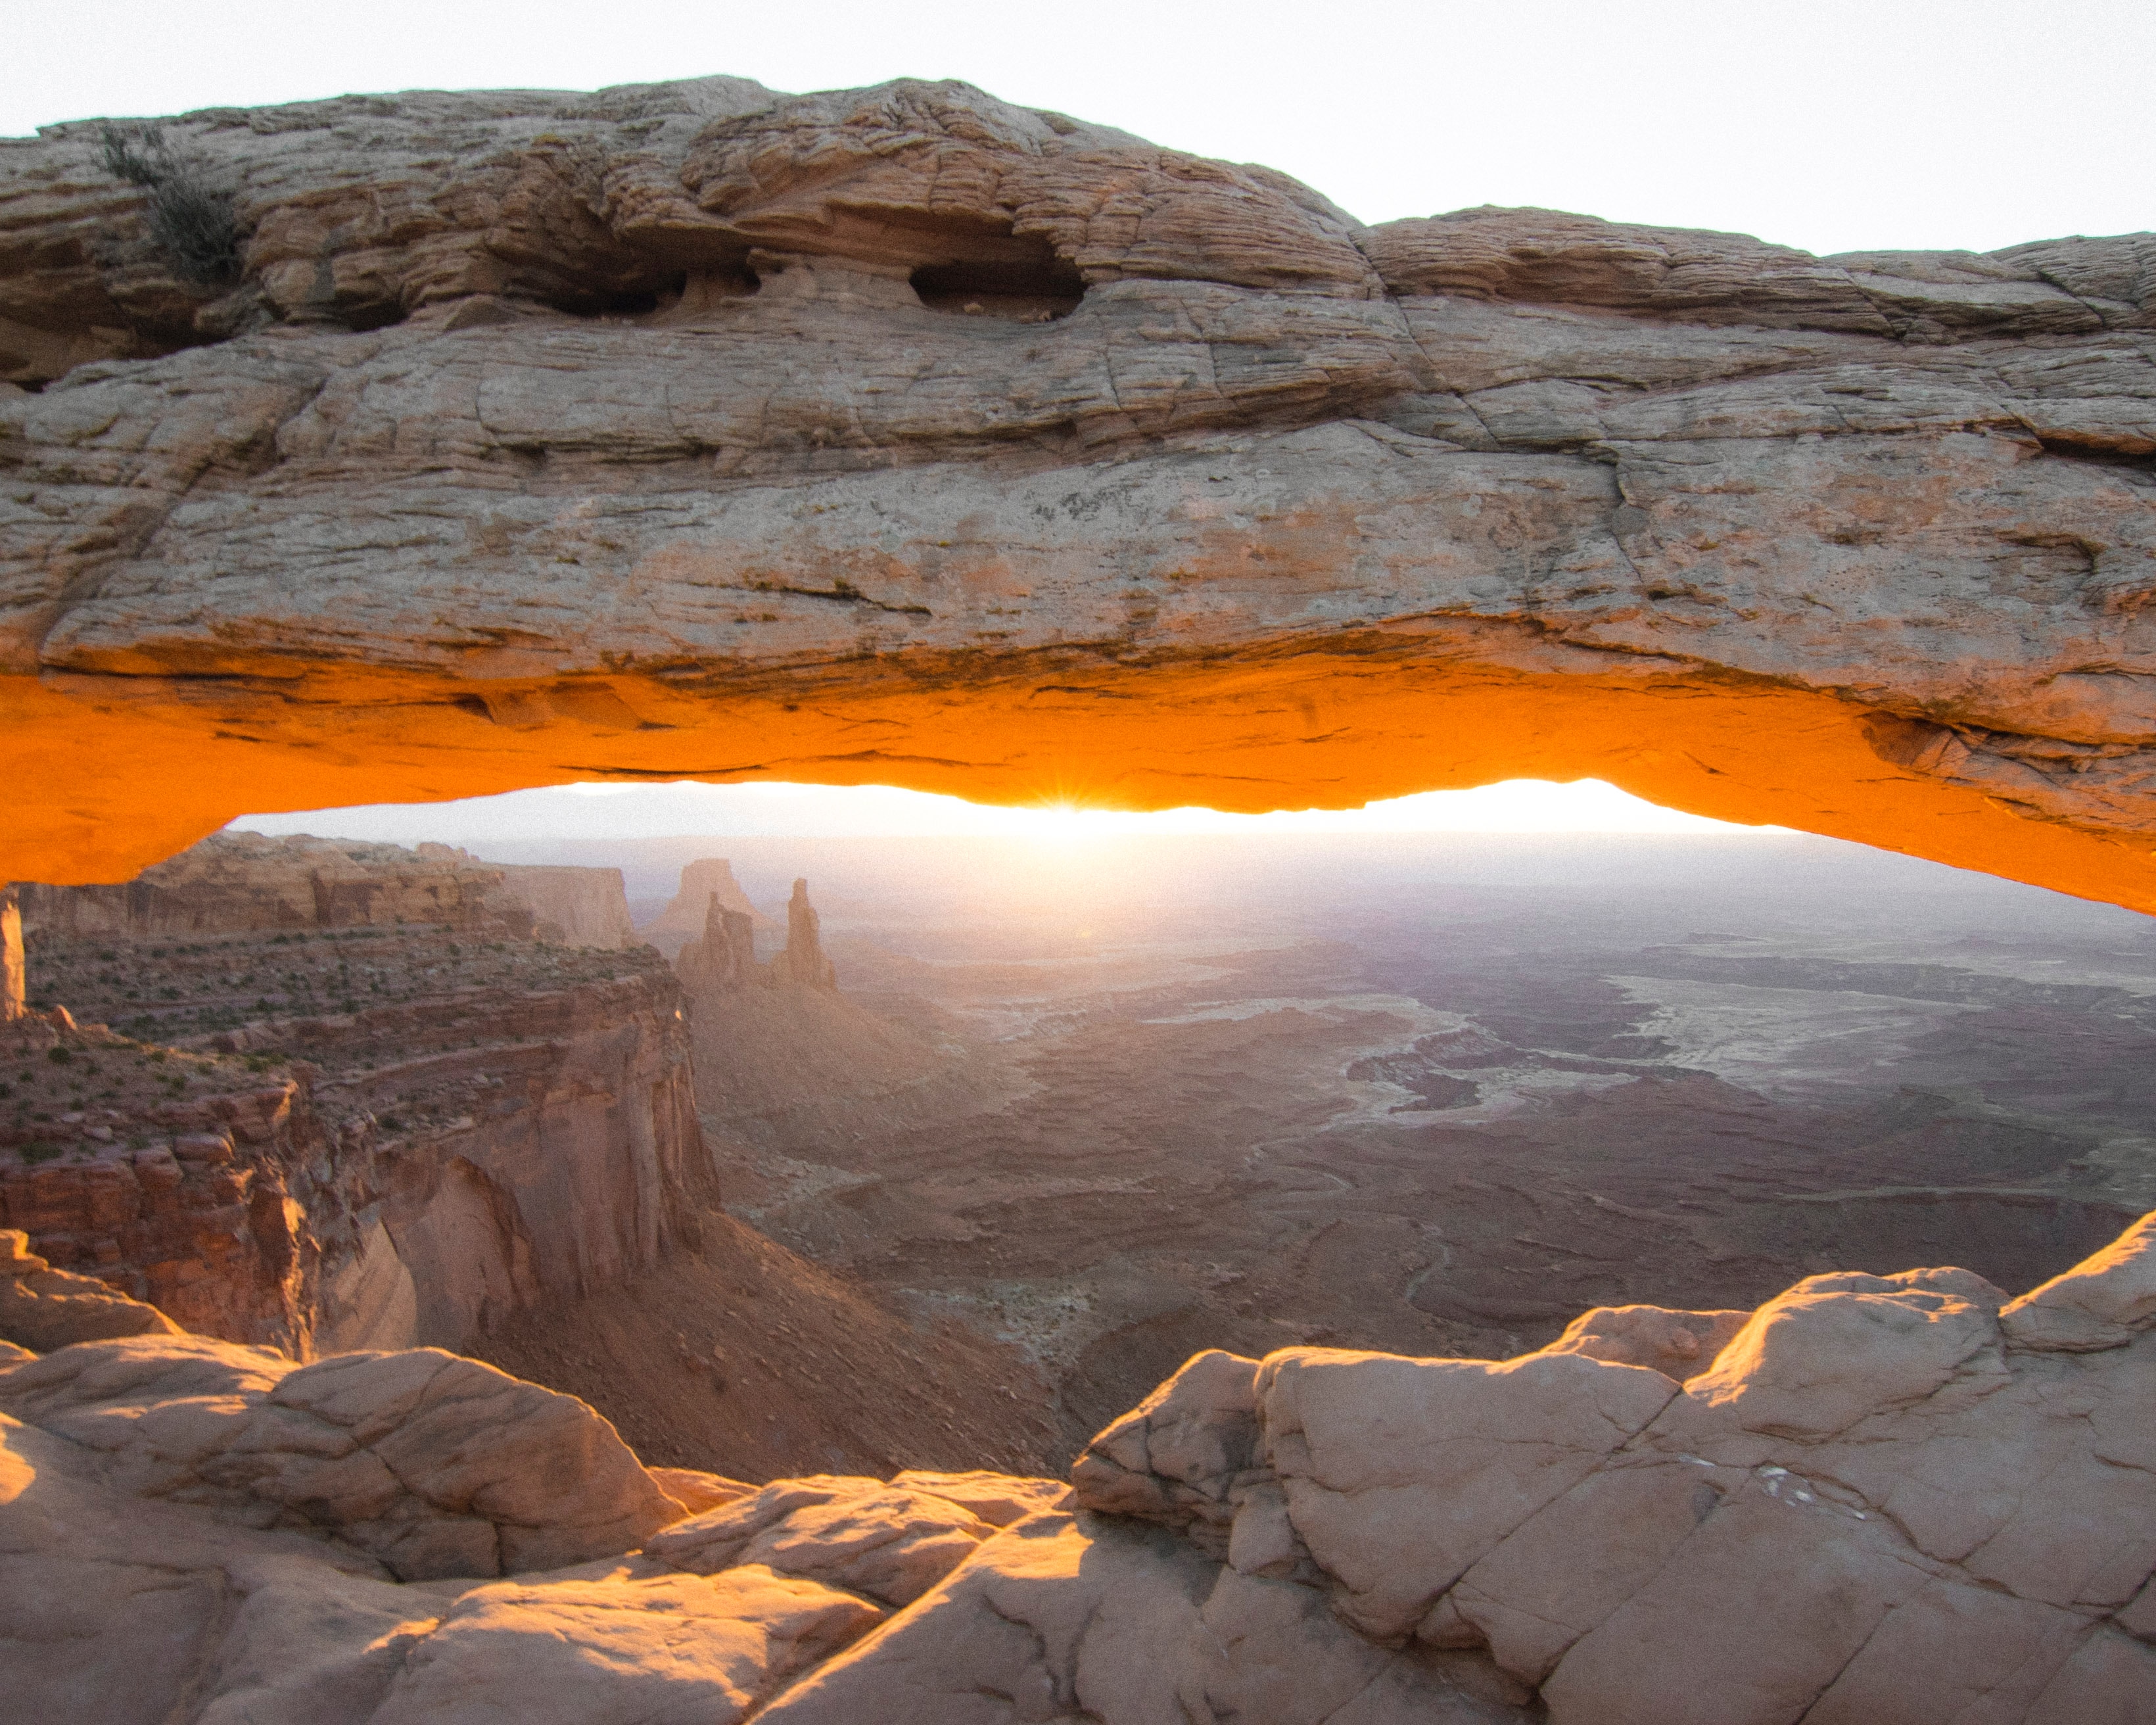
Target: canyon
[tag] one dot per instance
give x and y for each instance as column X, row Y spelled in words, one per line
column 904, row 436
column 328, row 1095
column 1122, row 1100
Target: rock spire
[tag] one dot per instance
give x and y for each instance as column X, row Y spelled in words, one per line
column 802, row 963
column 724, row 960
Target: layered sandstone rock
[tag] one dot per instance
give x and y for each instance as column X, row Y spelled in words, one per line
column 166, row 1175
column 573, row 906
column 358, row 1136
column 723, row 961
column 776, row 1041
column 802, row 960
column 499, row 1150
column 903, row 435
column 434, row 1464
column 1880, row 1501
column 241, row 882
column 41, row 1308
column 244, row 882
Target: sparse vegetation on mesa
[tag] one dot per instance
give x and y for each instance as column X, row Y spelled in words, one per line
column 98, row 1092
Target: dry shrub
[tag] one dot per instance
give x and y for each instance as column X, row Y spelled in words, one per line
column 191, row 219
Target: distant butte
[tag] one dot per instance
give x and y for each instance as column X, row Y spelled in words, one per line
column 905, row 436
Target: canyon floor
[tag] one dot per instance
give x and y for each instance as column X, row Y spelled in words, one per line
column 1117, row 1102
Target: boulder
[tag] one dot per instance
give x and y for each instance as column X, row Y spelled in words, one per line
column 1064, row 1619
column 41, row 1308
column 1675, row 1343
column 1399, row 1474
column 887, row 1541
column 998, row 1499
column 1178, row 1457
column 1873, row 1505
column 2105, row 1301
column 696, row 1491
column 621, row 1647
column 1835, row 1349
column 134, row 1612
column 436, row 1464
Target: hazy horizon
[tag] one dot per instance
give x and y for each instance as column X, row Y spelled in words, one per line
column 685, row 809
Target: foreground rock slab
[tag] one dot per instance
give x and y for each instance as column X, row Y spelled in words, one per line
column 432, row 1464
column 1884, row 1498
column 905, row 436
column 41, row 1308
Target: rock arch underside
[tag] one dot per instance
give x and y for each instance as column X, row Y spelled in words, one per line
column 464, row 442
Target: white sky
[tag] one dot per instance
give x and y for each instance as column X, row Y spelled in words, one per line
column 643, row 811
column 1832, row 125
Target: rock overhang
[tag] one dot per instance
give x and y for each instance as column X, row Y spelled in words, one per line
column 1282, row 511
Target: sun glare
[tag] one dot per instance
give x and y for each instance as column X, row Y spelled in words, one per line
column 626, row 811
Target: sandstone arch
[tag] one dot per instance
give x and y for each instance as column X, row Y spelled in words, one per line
column 616, row 440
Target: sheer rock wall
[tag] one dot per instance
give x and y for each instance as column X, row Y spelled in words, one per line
column 362, row 1135
column 905, row 436
column 238, row 882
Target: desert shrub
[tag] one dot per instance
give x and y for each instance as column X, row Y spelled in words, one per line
column 191, row 219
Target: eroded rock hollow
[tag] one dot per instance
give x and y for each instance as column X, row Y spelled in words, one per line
column 905, row 436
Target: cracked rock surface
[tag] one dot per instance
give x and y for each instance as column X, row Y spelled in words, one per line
column 904, row 435
column 1879, row 1500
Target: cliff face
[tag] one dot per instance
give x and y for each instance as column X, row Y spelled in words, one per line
column 573, row 906
column 239, row 882
column 903, row 435
column 169, row 1174
column 443, row 1131
column 501, row 1149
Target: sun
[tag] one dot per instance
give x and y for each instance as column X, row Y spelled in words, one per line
column 1065, row 821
